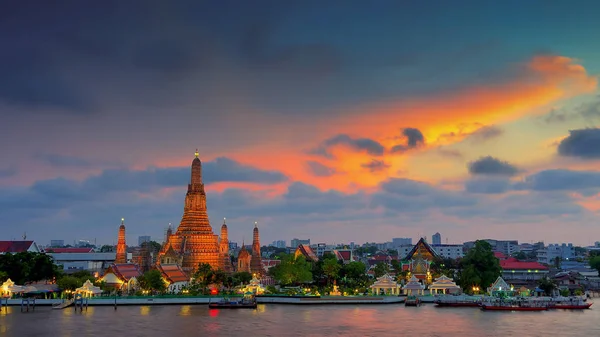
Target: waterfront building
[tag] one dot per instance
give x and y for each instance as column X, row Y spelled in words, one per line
column 499, row 286
column 122, row 276
column 194, row 240
column 436, row 239
column 521, row 272
column 69, row 250
column 444, row 285
column 13, row 247
column 385, row 285
column 121, row 256
column 413, row 287
column 173, row 276
column 420, row 259
column 88, row 289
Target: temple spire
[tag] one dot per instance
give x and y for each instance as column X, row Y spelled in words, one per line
column 121, row 245
column 197, row 154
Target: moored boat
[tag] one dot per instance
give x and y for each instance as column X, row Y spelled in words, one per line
column 571, row 303
column 245, row 303
column 513, row 304
column 458, row 301
column 511, row 308
column 412, row 301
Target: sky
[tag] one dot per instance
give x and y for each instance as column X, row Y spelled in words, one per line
column 338, row 121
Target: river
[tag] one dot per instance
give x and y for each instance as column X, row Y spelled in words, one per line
column 294, row 320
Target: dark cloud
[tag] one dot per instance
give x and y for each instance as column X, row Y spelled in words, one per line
column 451, row 153
column 59, row 160
column 583, row 143
column 588, row 111
column 319, row 170
column 367, row 145
column 561, row 180
column 488, row 185
column 557, row 116
column 7, row 172
column 375, row 165
column 414, row 138
column 492, row 166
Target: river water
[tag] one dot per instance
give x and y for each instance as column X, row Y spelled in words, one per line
column 295, row 320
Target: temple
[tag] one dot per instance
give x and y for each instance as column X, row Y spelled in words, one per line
column 256, row 266
column 194, row 241
column 421, row 257
column 121, row 246
column 243, row 262
column 224, row 248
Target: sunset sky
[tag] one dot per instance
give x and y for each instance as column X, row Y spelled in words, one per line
column 337, row 121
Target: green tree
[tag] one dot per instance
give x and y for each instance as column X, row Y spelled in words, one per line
column 594, row 263
column 27, row 267
column 331, row 268
column 354, row 275
column 107, row 249
column 291, row 270
column 521, row 256
column 242, row 277
column 152, row 280
column 69, row 283
column 381, row 269
column 479, row 267
column 557, row 262
column 3, row 276
column 547, row 285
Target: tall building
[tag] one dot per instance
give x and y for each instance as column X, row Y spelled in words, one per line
column 278, row 244
column 143, row 238
column 57, row 243
column 194, row 240
column 436, row 239
column 121, row 246
column 297, row 242
column 256, row 266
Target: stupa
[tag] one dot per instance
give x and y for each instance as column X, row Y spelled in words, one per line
column 194, row 240
column 256, row 266
column 121, row 256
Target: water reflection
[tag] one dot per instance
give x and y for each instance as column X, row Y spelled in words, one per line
column 186, row 310
column 145, row 310
column 6, row 311
column 213, row 312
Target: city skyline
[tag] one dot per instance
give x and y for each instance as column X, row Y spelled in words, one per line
column 317, row 120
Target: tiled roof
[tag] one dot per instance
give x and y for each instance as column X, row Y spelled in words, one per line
column 423, row 243
column 307, row 252
column 499, row 255
column 15, row 246
column 514, row 264
column 173, row 273
column 69, row 250
column 346, row 255
column 125, row 271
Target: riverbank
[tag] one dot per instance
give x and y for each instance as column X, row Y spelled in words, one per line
column 189, row 300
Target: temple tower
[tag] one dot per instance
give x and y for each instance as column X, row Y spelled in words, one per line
column 256, row 266
column 224, row 248
column 243, row 263
column 194, row 238
column 121, row 246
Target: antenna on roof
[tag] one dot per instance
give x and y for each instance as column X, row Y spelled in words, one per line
column 24, row 235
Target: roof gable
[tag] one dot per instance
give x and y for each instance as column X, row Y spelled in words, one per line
column 424, row 249
column 17, row 246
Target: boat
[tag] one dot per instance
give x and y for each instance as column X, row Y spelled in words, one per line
column 513, row 305
column 245, row 303
column 412, row 301
column 569, row 304
column 458, row 301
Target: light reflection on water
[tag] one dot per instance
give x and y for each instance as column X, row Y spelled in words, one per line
column 296, row 320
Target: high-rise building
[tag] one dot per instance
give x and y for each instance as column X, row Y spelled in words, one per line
column 143, row 238
column 278, row 244
column 436, row 239
column 57, row 243
column 297, row 242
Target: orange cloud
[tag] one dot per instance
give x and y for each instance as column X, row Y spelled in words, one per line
column 534, row 86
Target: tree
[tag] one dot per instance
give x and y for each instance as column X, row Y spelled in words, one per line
column 595, row 263
column 27, row 267
column 203, row 276
column 557, row 261
column 331, row 268
column 107, row 249
column 547, row 285
column 242, row 277
column 381, row 268
column 3, row 276
column 354, row 275
column 152, row 280
column 521, row 256
column 479, row 267
column 69, row 283
column 291, row 270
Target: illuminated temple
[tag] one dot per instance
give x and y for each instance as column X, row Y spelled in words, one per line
column 194, row 241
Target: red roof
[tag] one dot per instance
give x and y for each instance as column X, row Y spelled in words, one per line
column 270, row 263
column 69, row 250
column 307, row 252
column 513, row 264
column 346, row 255
column 125, row 271
column 15, row 246
column 173, row 273
column 500, row 255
